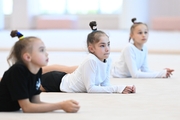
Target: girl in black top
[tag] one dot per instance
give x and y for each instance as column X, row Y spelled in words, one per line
column 20, row 84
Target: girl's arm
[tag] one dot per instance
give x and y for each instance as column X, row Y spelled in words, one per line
column 161, row 74
column 89, row 77
column 36, row 106
column 56, row 67
column 145, row 67
column 135, row 73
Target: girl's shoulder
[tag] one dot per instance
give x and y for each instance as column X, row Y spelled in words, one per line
column 18, row 66
column 21, row 68
column 15, row 69
column 91, row 58
column 130, row 46
column 94, row 58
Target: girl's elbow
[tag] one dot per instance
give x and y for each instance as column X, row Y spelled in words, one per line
column 25, row 110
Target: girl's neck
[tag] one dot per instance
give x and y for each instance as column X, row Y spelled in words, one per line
column 138, row 46
column 103, row 60
column 33, row 68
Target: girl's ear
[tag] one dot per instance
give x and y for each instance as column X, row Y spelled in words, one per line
column 27, row 57
column 91, row 48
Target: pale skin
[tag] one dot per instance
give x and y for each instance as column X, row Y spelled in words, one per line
column 102, row 51
column 140, row 36
column 57, row 67
column 34, row 61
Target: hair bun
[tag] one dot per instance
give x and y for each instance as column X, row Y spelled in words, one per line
column 13, row 33
column 133, row 20
column 93, row 25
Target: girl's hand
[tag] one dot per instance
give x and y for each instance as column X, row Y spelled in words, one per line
column 129, row 89
column 70, row 106
column 169, row 72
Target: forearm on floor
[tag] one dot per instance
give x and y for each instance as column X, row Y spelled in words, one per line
column 42, row 107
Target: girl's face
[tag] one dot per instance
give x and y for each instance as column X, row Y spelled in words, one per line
column 39, row 56
column 140, row 34
column 101, row 49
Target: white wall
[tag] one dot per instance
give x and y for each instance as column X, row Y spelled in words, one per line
column 103, row 21
column 23, row 14
column 134, row 9
column 164, row 8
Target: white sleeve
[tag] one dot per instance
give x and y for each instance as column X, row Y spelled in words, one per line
column 106, row 82
column 135, row 73
column 145, row 67
column 89, row 79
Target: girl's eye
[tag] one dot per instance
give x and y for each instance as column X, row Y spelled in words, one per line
column 146, row 32
column 42, row 50
column 102, row 46
column 140, row 32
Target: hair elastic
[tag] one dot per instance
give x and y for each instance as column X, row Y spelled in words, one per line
column 20, row 36
column 94, row 28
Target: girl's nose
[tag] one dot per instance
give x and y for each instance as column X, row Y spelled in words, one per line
column 107, row 48
column 144, row 34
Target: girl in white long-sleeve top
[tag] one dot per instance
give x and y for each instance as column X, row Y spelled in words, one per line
column 92, row 75
column 133, row 59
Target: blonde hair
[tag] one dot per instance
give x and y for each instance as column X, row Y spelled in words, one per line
column 23, row 45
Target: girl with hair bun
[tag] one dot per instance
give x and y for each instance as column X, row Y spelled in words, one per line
column 133, row 59
column 20, row 84
column 92, row 75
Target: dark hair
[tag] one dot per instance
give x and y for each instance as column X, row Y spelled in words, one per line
column 95, row 35
column 135, row 24
column 23, row 45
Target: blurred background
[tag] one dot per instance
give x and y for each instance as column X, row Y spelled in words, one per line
column 75, row 14
column 63, row 25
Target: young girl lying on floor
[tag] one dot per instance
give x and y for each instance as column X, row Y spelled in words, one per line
column 133, row 59
column 92, row 75
column 20, row 84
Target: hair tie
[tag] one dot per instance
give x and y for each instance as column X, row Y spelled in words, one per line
column 19, row 35
column 93, row 25
column 94, row 28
